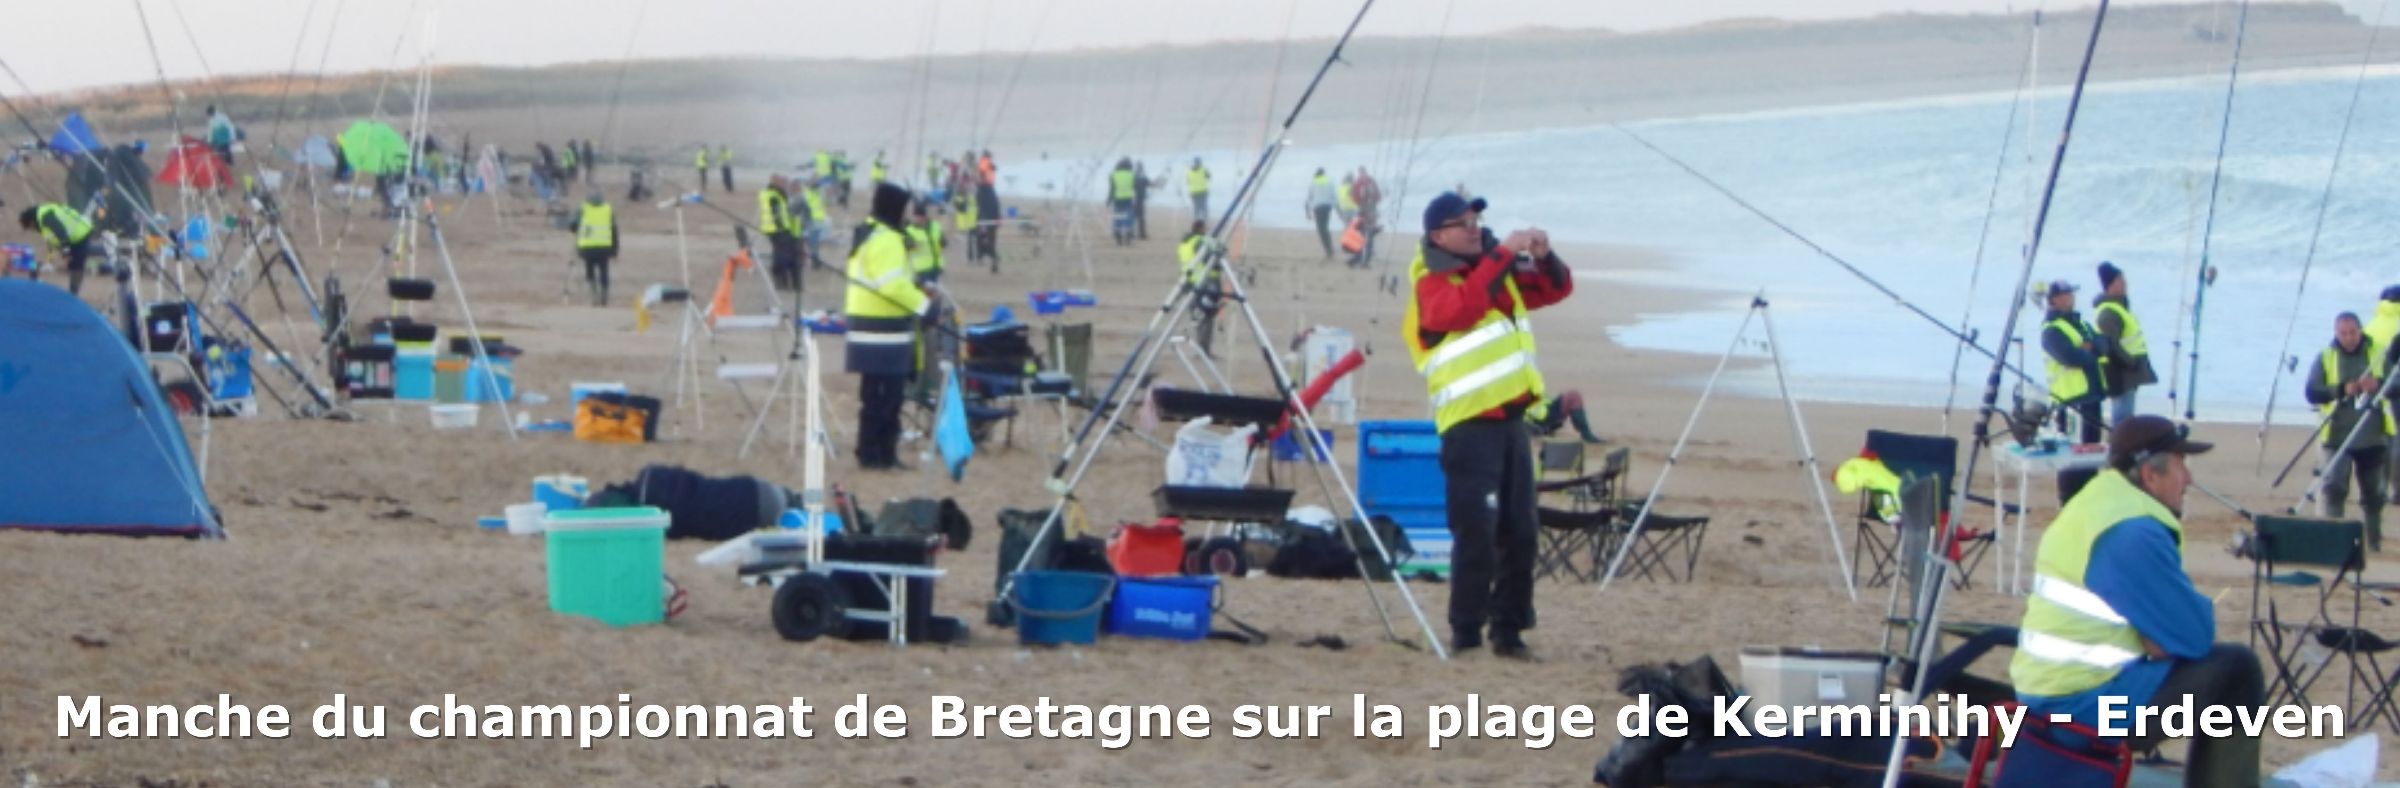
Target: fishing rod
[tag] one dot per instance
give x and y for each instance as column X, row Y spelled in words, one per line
column 2373, row 411
column 1999, row 362
column 1433, row 67
column 2208, row 274
column 1928, row 612
column 2324, row 202
column 1000, row 110
column 1991, row 205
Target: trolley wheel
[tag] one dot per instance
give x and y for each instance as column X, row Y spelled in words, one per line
column 809, row 606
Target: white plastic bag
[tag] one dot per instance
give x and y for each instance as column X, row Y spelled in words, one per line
column 1207, row 457
column 2349, row 765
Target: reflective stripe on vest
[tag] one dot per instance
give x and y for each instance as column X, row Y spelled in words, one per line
column 2331, row 363
column 2131, row 338
column 78, row 228
column 2071, row 640
column 1468, row 373
column 593, row 231
column 880, row 285
column 2067, row 384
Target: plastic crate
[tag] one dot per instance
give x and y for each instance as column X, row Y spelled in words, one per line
column 1400, row 477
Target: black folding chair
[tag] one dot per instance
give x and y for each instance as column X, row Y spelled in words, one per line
column 1877, row 538
column 1573, row 538
column 1665, row 541
column 2281, row 548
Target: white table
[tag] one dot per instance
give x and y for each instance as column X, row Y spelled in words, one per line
column 2049, row 455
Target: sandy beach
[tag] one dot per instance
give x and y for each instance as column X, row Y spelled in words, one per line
column 355, row 566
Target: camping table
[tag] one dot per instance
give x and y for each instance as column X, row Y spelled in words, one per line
column 2013, row 456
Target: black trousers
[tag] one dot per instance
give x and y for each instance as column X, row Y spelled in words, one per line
column 727, row 171
column 702, row 184
column 784, row 268
column 78, row 257
column 1324, row 214
column 1141, row 216
column 595, row 274
column 2089, row 412
column 879, row 401
column 2229, row 676
column 1487, row 471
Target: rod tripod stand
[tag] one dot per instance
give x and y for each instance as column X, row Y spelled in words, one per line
column 1088, row 444
column 1807, row 462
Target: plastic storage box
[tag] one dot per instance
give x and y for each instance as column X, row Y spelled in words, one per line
column 608, row 564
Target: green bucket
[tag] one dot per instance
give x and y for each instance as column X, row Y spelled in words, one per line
column 608, row 564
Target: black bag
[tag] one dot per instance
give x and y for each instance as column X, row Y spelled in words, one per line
column 1641, row 762
column 410, row 289
column 1312, row 554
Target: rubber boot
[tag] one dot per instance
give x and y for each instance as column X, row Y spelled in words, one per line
column 1583, row 426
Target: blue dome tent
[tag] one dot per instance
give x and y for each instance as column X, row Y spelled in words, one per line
column 96, row 449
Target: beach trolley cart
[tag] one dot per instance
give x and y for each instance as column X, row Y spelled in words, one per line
column 815, row 595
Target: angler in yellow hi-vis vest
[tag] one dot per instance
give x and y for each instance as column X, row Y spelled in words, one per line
column 2077, row 357
column 924, row 245
column 1120, row 202
column 883, row 306
column 2114, row 617
column 1209, row 280
column 782, row 231
column 2129, row 365
column 1195, row 183
column 69, row 236
column 700, row 170
column 1468, row 334
column 596, row 242
column 724, row 167
column 2348, row 375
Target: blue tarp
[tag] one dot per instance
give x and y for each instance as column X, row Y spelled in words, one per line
column 75, row 137
column 950, row 431
column 93, row 446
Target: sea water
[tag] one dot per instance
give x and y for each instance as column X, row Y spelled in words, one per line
column 1903, row 190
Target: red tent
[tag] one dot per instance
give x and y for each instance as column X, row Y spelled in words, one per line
column 195, row 165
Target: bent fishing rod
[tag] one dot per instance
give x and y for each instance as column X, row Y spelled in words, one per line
column 2208, row 275
column 1965, row 339
column 1213, row 252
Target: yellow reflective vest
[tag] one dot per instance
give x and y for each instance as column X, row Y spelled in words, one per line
column 775, row 213
column 597, row 229
column 816, row 205
column 2329, row 364
column 876, row 171
column 2071, row 640
column 1470, row 372
column 1187, row 257
column 700, row 160
column 1195, row 180
column 2068, row 384
column 925, row 250
column 2131, row 339
column 78, row 228
column 1120, row 185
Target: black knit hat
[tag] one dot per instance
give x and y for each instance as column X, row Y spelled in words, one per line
column 891, row 205
column 2108, row 274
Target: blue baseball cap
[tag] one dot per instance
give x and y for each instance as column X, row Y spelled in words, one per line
column 1450, row 206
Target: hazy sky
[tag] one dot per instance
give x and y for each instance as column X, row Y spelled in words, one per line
column 72, row 45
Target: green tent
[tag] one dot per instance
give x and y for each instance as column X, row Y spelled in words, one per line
column 374, row 148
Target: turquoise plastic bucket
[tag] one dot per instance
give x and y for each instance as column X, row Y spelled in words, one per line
column 1057, row 608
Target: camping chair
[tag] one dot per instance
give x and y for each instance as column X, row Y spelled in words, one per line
column 1572, row 538
column 2282, row 543
column 2056, row 745
column 1910, row 457
column 1665, row 540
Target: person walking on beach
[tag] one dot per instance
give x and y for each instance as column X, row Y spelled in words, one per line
column 700, row 170
column 1369, row 197
column 2077, row 362
column 596, row 243
column 221, row 135
column 1195, row 183
column 2348, row 375
column 2129, row 362
column 591, row 163
column 724, row 168
column 1467, row 332
column 1320, row 207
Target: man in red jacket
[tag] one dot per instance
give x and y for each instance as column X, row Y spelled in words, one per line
column 1468, row 334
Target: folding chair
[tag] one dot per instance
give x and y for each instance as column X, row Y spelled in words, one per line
column 1665, row 540
column 1910, row 457
column 2283, row 543
column 2080, row 746
column 1572, row 538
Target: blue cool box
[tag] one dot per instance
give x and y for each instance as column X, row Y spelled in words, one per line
column 1174, row 608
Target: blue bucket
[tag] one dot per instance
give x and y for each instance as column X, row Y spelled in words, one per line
column 1174, row 608
column 1056, row 608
